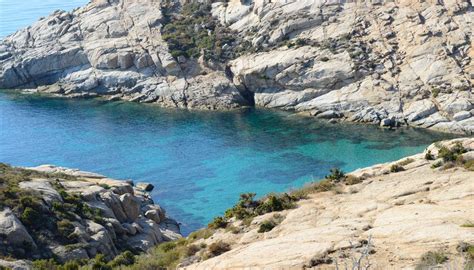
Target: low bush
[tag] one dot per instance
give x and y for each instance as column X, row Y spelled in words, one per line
column 352, row 180
column 436, row 165
column 469, row 165
column 218, row 248
column 336, row 174
column 218, row 223
column 192, row 249
column 429, row 155
column 267, row 226
column 396, row 168
column 432, row 258
column 247, row 207
column 451, row 155
column 195, row 32
column 201, row 234
column 124, row 259
column 406, row 162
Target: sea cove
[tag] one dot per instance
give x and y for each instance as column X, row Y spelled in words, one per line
column 199, row 161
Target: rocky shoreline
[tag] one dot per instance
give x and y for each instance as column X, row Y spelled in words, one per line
column 414, row 213
column 67, row 214
column 410, row 64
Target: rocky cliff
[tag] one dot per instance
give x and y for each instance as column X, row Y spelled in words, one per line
column 389, row 63
column 53, row 212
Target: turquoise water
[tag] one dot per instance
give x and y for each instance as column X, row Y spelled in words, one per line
column 16, row 14
column 199, row 161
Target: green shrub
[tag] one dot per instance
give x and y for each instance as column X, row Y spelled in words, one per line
column 406, row 162
column 432, row 258
column 194, row 32
column 217, row 223
column 45, row 265
column 71, row 265
column 437, row 165
column 247, row 207
column 352, row 180
column 267, row 226
column 65, row 228
column 469, row 165
column 336, row 174
column 191, row 250
column 100, row 263
column 126, row 258
column 468, row 224
column 200, row 234
column 451, row 155
column 325, row 185
column 30, row 217
column 396, row 168
column 429, row 155
column 168, row 246
column 218, row 248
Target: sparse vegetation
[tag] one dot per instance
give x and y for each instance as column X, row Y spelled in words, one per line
column 335, row 175
column 429, row 155
column 217, row 223
column 432, row 258
column 217, row 248
column 248, row 207
column 451, row 154
column 406, row 162
column 468, row 224
column 271, row 223
column 436, row 165
column 469, row 165
column 352, row 180
column 194, row 32
column 396, row 168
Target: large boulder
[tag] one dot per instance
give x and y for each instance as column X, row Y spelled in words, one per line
column 131, row 206
column 13, row 231
column 44, row 187
column 114, row 203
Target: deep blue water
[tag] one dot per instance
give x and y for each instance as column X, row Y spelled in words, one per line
column 199, row 161
column 15, row 14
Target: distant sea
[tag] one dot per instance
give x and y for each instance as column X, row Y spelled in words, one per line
column 15, row 15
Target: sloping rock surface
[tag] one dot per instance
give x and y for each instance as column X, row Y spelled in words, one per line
column 394, row 218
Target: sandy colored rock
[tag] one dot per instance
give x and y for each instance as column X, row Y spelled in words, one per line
column 404, row 214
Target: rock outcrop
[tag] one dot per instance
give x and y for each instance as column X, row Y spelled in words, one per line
column 402, row 62
column 86, row 214
column 389, row 220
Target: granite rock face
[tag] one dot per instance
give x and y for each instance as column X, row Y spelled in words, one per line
column 410, row 61
column 124, row 221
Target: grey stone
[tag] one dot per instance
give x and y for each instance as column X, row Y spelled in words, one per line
column 13, row 230
column 145, row 186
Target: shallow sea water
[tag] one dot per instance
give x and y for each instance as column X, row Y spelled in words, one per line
column 199, row 161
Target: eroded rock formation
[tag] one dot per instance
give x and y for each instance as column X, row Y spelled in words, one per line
column 78, row 216
column 401, row 62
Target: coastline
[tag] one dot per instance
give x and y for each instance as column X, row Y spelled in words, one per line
column 373, row 210
column 292, row 113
